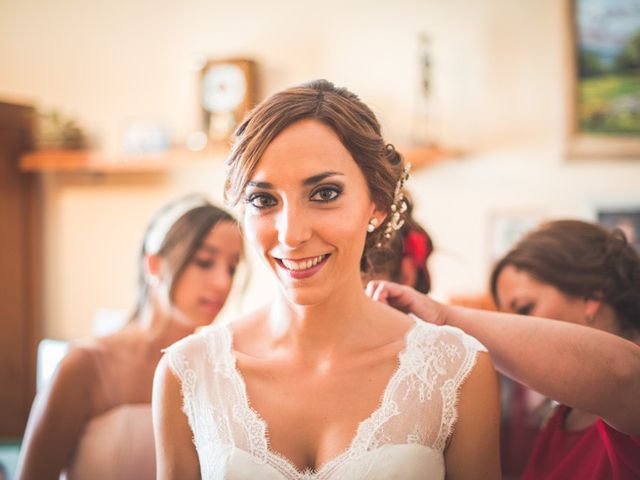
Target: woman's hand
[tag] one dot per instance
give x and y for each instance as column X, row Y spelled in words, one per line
column 408, row 300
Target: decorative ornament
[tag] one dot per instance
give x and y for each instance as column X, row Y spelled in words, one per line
column 373, row 223
column 398, row 207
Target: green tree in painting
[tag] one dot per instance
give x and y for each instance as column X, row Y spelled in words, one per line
column 629, row 57
column 590, row 64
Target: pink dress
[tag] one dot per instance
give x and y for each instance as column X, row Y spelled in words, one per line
column 117, row 444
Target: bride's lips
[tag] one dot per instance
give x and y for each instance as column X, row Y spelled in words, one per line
column 302, row 267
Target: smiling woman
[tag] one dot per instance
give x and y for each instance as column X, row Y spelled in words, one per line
column 309, row 226
column 318, row 190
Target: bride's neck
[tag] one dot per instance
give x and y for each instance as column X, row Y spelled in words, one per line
column 326, row 325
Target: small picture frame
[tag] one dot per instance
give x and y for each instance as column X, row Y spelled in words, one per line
column 626, row 219
column 507, row 227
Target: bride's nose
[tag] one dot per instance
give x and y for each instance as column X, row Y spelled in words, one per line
column 293, row 225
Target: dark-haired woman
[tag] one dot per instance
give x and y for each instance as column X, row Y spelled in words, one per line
column 589, row 362
column 93, row 419
column 323, row 382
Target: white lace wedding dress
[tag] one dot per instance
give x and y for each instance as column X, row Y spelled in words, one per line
column 404, row 438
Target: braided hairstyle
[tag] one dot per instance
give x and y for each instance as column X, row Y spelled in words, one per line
column 352, row 121
column 581, row 259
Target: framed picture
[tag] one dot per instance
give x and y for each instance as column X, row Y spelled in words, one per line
column 506, row 227
column 604, row 79
column 626, row 219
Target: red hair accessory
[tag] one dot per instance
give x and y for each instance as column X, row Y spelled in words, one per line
column 417, row 246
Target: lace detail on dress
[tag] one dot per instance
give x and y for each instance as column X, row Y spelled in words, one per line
column 451, row 386
column 418, row 406
column 187, row 377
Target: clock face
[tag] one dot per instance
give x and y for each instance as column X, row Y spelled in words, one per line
column 224, row 87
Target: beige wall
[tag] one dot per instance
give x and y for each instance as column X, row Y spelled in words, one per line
column 499, row 93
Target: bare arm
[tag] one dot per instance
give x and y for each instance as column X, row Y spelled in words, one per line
column 474, row 450
column 582, row 367
column 176, row 456
column 57, row 418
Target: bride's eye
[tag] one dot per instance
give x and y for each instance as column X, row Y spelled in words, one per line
column 260, row 200
column 326, row 194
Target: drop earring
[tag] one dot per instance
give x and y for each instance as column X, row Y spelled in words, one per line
column 373, row 223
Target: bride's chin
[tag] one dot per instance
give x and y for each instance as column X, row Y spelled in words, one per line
column 304, row 298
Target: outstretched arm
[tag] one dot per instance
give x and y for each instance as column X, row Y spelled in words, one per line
column 57, row 418
column 582, row 367
column 176, row 456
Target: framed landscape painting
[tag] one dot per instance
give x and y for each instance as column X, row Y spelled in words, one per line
column 605, row 79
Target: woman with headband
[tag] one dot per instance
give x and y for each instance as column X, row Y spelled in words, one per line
column 93, row 420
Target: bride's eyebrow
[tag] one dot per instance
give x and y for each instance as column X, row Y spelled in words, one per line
column 318, row 178
column 306, row 182
column 263, row 185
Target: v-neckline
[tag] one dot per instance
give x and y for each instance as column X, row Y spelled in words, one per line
column 280, row 459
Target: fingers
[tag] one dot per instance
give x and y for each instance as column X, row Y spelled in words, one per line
column 376, row 290
column 370, row 288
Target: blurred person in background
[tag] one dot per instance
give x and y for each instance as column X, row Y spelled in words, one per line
column 404, row 259
column 589, row 362
column 93, row 420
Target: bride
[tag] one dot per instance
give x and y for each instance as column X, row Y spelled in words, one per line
column 323, row 382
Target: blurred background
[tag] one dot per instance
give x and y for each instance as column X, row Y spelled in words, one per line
column 480, row 92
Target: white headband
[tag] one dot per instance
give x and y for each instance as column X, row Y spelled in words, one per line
column 159, row 229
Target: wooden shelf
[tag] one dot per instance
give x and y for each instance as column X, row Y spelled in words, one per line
column 86, row 161
column 83, row 161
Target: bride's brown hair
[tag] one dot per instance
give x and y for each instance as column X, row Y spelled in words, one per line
column 352, row 121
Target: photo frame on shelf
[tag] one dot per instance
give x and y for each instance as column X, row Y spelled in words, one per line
column 506, row 227
column 227, row 92
column 603, row 79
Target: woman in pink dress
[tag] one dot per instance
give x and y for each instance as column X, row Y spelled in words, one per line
column 93, row 419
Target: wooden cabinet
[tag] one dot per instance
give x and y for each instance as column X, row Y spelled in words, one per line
column 20, row 272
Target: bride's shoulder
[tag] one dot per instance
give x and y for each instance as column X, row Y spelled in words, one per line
column 215, row 339
column 197, row 342
column 447, row 336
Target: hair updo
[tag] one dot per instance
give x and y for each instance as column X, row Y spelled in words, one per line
column 411, row 241
column 351, row 120
column 581, row 259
